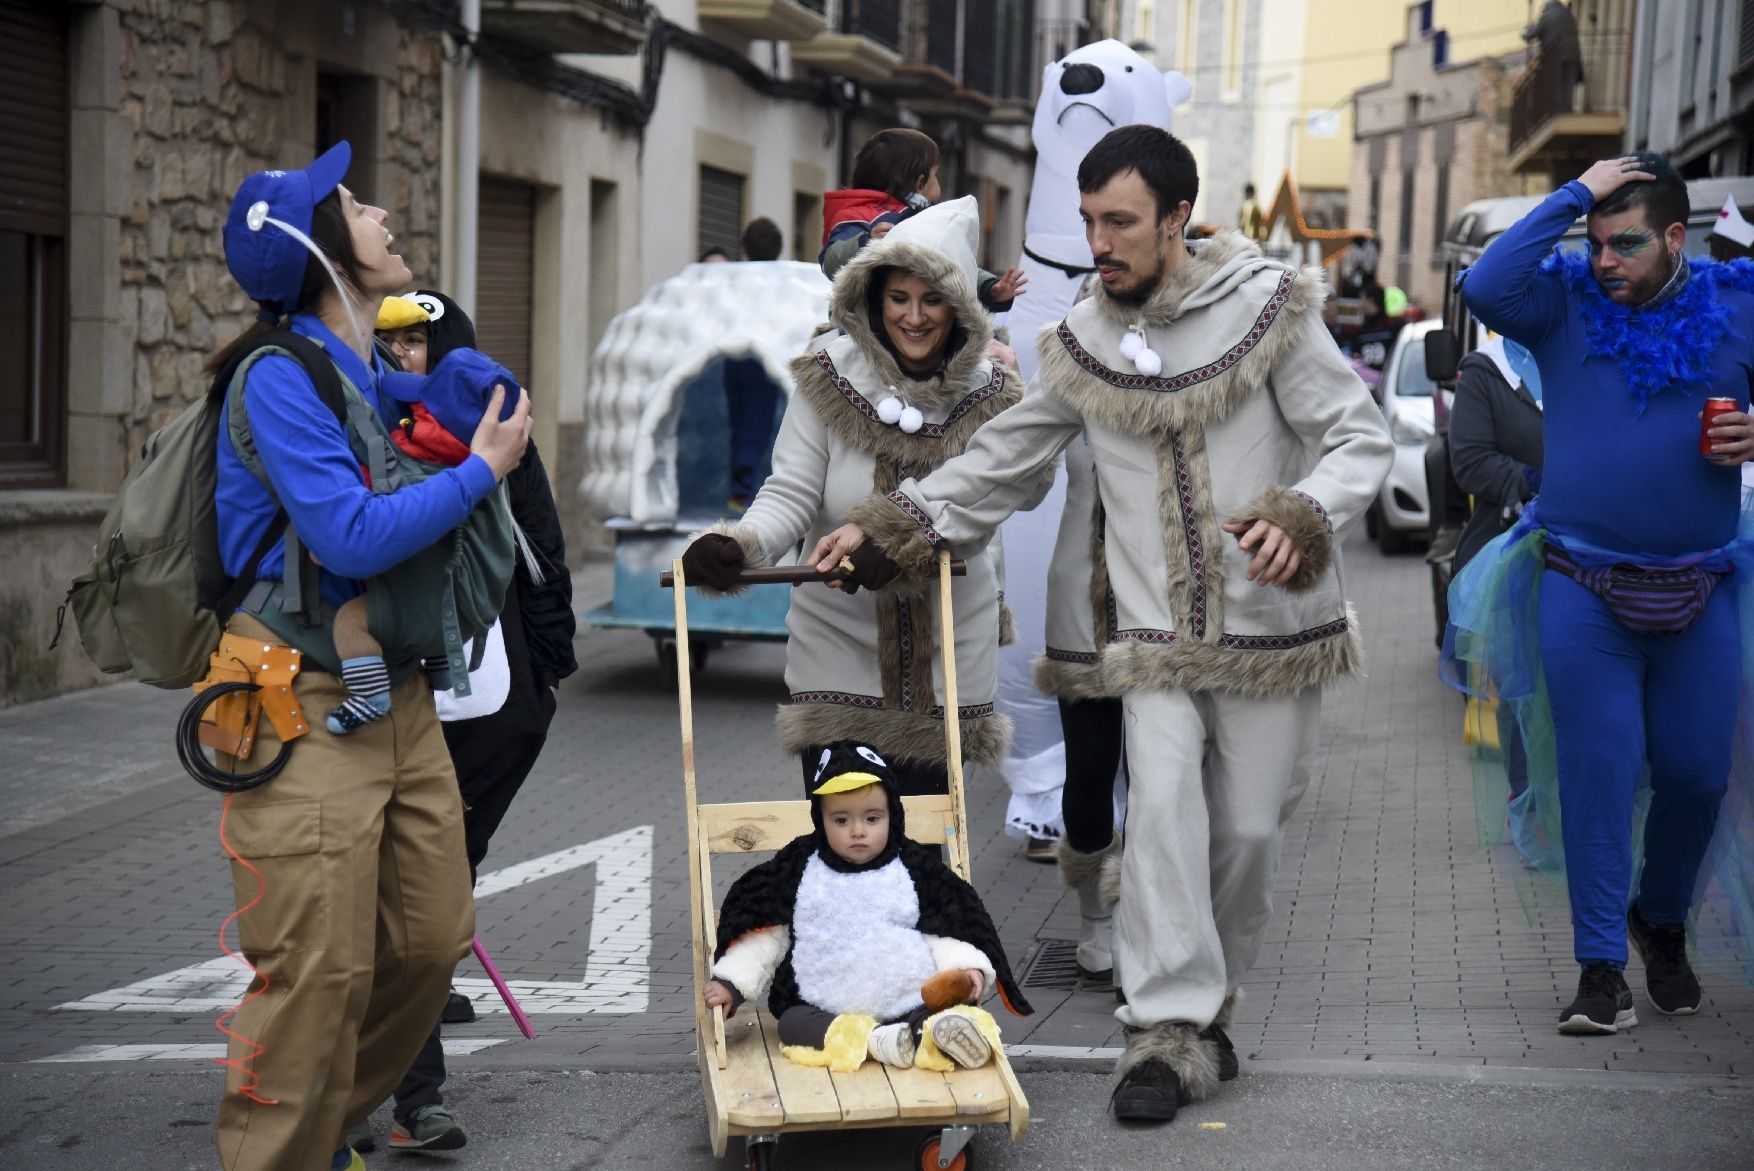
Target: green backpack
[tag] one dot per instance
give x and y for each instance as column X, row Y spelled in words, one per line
column 156, row 596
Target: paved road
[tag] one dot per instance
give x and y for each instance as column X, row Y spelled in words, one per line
column 1397, row 942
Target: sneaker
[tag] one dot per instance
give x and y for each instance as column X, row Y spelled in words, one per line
column 429, row 1128
column 1150, row 1092
column 958, row 1039
column 459, row 1009
column 1668, row 977
column 361, row 1138
column 1603, row 1004
column 1228, row 1066
column 893, row 1045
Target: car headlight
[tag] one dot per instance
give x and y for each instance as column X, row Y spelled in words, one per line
column 1408, row 429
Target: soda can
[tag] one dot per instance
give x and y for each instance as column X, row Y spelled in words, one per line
column 1713, row 408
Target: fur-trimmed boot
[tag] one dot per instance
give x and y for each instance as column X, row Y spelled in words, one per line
column 1164, row 1067
column 1097, row 880
column 1216, row 1032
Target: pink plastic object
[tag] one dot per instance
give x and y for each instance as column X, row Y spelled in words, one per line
column 505, row 994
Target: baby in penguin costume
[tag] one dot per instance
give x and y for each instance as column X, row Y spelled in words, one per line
column 864, row 942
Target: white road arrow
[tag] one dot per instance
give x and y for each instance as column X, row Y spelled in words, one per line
column 616, row 976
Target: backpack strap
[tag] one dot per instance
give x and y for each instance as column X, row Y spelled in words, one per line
column 327, row 381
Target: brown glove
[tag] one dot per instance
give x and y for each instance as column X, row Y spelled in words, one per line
column 872, row 567
column 943, row 989
column 713, row 561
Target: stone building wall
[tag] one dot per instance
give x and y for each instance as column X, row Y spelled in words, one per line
column 212, row 92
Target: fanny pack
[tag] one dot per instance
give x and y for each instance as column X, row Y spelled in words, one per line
column 1646, row 599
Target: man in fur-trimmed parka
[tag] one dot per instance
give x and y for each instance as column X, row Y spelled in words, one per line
column 1231, row 441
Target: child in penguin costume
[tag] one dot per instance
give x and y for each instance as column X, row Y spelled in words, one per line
column 863, row 941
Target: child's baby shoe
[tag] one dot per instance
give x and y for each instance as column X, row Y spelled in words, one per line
column 958, row 1039
column 893, row 1045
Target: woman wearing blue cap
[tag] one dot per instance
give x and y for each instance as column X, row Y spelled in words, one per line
column 353, row 887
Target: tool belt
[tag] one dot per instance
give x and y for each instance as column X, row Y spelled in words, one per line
column 246, row 679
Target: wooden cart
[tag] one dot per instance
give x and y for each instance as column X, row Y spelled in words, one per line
column 753, row 1091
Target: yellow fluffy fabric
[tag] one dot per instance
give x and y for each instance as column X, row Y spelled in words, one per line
column 929, row 1056
column 843, row 1049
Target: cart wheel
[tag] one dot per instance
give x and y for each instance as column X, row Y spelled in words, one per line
column 926, row 1156
column 759, row 1156
column 697, row 653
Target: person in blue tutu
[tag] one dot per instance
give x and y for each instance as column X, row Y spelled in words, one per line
column 1607, row 616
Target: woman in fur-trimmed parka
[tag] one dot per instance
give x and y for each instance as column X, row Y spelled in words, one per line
column 872, row 405
column 1230, row 441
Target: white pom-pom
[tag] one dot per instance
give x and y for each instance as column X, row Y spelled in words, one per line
column 1131, row 344
column 889, row 409
column 911, row 420
column 1148, row 363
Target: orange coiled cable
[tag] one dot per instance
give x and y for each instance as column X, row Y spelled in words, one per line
column 252, row 1079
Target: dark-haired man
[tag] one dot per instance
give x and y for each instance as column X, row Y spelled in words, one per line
column 1630, row 550
column 762, row 240
column 1230, row 440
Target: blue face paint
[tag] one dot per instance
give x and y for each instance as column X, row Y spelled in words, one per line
column 1523, row 363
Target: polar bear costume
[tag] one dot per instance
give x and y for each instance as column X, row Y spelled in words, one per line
column 1084, row 95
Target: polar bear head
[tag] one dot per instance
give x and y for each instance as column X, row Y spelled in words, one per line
column 1094, row 89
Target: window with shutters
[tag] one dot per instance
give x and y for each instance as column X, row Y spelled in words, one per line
column 1745, row 37
column 721, row 211
column 505, row 250
column 33, row 237
column 806, row 225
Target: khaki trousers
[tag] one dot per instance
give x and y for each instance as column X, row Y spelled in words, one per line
column 365, row 910
column 1213, row 779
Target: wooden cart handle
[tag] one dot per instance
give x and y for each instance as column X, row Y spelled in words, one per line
column 790, row 574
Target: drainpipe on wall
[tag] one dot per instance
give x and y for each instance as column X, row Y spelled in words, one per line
column 466, row 210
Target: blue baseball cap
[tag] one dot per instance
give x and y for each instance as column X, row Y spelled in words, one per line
column 270, row 263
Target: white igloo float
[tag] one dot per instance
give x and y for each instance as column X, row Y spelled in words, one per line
column 670, row 389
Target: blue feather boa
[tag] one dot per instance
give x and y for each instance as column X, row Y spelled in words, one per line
column 1666, row 347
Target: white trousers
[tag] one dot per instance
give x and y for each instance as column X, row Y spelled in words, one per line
column 1214, row 779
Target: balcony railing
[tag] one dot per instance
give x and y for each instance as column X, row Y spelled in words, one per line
column 568, row 26
column 1547, row 90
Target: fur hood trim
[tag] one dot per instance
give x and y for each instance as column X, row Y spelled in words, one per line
column 903, row 735
column 1179, row 1046
column 847, row 308
column 1255, row 666
column 1268, row 306
column 1305, row 522
column 848, row 405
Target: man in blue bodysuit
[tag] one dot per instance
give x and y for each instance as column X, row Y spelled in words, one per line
column 1629, row 556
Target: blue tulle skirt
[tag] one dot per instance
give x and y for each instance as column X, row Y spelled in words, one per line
column 1492, row 652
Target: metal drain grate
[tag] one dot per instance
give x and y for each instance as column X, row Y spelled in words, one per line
column 1054, row 965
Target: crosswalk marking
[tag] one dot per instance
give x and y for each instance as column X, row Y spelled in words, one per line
column 454, row 1047
column 616, row 978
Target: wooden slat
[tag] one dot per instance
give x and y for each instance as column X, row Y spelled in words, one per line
column 752, row 826
column 920, row 1093
column 807, row 1094
column 977, row 1091
column 865, row 1095
column 752, row 1100
column 1018, row 1104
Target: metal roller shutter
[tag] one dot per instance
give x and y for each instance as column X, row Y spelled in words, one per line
column 721, row 211
column 33, row 134
column 505, row 254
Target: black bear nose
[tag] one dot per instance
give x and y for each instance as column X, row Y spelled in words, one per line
column 1081, row 79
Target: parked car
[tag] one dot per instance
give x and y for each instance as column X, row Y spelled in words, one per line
column 1401, row 515
column 1469, row 234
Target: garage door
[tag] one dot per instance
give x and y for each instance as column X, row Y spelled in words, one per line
column 505, row 254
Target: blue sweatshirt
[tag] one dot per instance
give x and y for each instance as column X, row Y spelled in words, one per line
column 303, row 449
column 1622, row 386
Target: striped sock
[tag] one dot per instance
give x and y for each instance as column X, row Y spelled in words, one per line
column 368, row 695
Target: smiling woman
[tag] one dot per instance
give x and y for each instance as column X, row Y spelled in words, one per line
column 901, row 388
